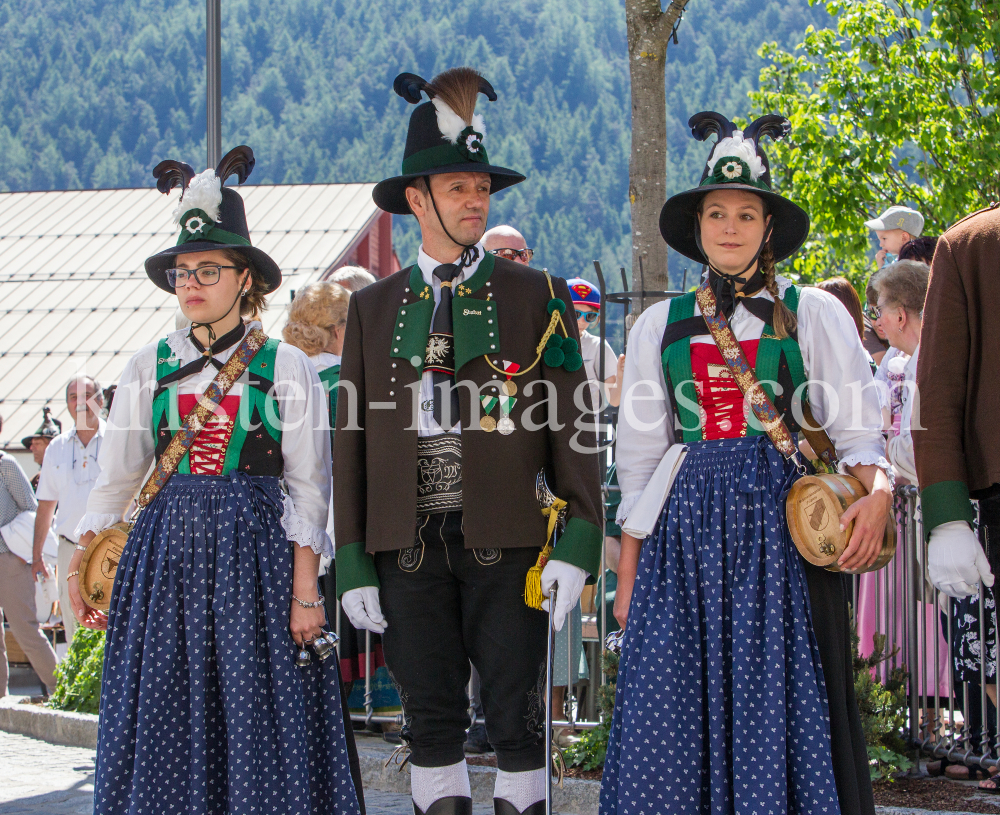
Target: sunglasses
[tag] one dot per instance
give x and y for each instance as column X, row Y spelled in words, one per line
column 205, row 275
column 589, row 316
column 511, row 254
column 872, row 312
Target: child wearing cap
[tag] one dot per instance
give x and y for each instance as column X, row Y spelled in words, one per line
column 587, row 302
column 895, row 227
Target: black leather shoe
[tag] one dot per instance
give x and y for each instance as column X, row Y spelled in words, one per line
column 456, row 805
column 501, row 806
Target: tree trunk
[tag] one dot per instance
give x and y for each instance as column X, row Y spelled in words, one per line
column 649, row 30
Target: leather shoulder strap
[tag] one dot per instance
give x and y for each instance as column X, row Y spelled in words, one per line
column 195, row 421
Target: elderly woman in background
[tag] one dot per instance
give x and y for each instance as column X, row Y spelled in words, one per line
column 352, row 278
column 896, row 300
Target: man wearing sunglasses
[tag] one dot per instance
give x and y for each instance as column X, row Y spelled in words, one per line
column 507, row 243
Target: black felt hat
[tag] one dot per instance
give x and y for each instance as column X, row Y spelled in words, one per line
column 445, row 135
column 210, row 216
column 736, row 162
column 49, row 429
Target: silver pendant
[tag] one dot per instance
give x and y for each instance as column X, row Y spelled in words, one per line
column 505, row 426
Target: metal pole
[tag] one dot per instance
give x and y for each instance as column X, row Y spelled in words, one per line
column 213, row 80
column 550, row 644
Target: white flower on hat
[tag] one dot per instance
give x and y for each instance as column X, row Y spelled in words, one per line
column 204, row 193
column 732, row 169
column 741, row 148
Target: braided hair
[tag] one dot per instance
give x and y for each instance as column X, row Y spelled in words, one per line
column 784, row 320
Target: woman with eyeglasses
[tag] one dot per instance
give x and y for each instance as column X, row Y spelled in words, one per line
column 206, row 705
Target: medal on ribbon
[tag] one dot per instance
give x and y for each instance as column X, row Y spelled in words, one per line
column 488, row 423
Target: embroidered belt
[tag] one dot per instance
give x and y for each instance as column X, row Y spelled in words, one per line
column 439, row 473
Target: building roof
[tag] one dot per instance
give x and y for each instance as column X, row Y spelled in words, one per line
column 74, row 297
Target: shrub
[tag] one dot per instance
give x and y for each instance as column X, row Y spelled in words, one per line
column 78, row 676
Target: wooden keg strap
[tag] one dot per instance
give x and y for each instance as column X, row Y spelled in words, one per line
column 765, row 411
column 195, row 421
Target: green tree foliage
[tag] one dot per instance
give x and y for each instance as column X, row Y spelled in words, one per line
column 78, row 676
column 896, row 104
column 94, row 93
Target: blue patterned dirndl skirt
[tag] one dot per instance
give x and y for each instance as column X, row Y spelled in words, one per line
column 721, row 705
column 203, row 709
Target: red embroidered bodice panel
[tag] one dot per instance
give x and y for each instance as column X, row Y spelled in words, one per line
column 208, row 453
column 719, row 397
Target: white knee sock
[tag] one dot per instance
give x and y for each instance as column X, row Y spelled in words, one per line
column 428, row 784
column 521, row 789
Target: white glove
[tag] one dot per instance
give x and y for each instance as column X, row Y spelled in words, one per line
column 363, row 610
column 956, row 562
column 569, row 580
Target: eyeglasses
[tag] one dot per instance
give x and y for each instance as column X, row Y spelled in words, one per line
column 872, row 312
column 205, row 275
column 589, row 316
column 511, row 254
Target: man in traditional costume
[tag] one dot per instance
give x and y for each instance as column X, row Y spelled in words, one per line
column 438, row 522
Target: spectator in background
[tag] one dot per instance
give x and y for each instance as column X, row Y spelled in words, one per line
column 587, row 302
column 506, row 242
column 894, row 227
column 921, row 249
column 889, row 376
column 38, row 442
column 874, row 340
column 69, row 473
column 17, row 585
column 352, row 278
column 901, row 289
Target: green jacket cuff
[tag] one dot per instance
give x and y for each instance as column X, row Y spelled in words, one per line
column 579, row 544
column 944, row 502
column 355, row 568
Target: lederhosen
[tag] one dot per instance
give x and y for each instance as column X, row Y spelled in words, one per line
column 781, row 361
column 445, row 606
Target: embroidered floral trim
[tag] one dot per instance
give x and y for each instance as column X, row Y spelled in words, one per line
column 96, row 522
column 743, row 373
column 196, row 420
column 303, row 533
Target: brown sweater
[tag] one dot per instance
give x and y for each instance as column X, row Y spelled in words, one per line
column 958, row 372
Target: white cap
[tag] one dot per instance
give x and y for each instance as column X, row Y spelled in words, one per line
column 909, row 220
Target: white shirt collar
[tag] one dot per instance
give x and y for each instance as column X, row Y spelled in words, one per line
column 323, row 360
column 428, row 264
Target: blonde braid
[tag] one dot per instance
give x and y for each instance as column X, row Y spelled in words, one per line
column 784, row 320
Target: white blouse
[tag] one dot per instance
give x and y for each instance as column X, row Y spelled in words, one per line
column 901, row 447
column 847, row 404
column 127, row 452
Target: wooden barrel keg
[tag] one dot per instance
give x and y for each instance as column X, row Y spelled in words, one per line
column 100, row 564
column 814, row 506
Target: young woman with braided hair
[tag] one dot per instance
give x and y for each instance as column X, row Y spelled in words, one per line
column 735, row 686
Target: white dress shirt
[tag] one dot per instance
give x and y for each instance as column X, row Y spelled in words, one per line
column 426, row 424
column 128, row 449
column 70, row 470
column 321, row 362
column 831, row 353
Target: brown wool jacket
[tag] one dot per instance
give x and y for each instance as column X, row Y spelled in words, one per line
column 957, row 449
column 500, row 313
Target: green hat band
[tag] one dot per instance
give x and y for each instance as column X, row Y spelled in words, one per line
column 733, row 170
column 197, row 226
column 469, row 147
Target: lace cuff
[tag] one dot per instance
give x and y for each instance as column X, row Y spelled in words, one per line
column 869, row 457
column 95, row 522
column 626, row 506
column 298, row 529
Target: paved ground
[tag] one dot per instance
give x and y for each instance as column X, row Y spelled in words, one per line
column 43, row 779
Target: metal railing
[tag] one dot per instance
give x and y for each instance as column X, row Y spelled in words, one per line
column 897, row 605
column 919, row 627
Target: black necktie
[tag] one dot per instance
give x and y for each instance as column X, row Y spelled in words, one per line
column 440, row 356
column 726, row 295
